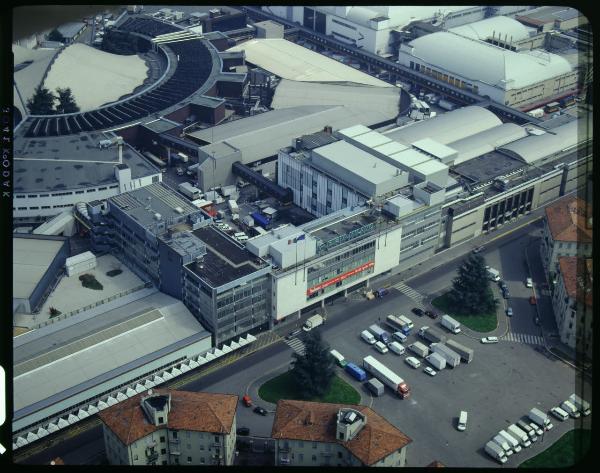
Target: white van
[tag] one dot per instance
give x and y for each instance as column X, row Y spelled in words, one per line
column 462, row 421
column 380, row 347
column 412, row 361
column 368, row 337
column 240, row 236
column 397, row 348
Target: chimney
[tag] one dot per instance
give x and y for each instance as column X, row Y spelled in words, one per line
column 328, row 129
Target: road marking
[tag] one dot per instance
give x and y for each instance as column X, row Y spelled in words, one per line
column 410, row 292
column 525, row 338
column 297, row 345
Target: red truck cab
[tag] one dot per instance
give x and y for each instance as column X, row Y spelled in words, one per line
column 246, row 400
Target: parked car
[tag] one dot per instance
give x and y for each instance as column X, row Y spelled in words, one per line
column 509, row 311
column 412, row 361
column 381, row 347
column 462, row 421
column 532, row 300
column 399, row 337
column 243, row 431
column 260, row 410
column 503, row 286
column 537, row 321
column 433, row 315
column 418, row 311
column 489, row 340
column 529, row 282
column 430, row 371
column 505, row 293
column 246, row 400
column 559, row 413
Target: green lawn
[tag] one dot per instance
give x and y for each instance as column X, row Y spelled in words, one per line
column 565, row 452
column 478, row 323
column 283, row 387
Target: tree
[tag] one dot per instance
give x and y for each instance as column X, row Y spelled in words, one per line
column 42, row 102
column 471, row 293
column 56, row 35
column 66, row 101
column 313, row 372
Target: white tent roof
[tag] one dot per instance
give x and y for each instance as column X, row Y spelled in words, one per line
column 31, row 437
column 194, row 364
column 72, row 419
column 166, row 375
column 175, row 371
column 82, row 414
column 52, row 428
column 21, row 442
column 148, row 384
column 158, row 380
column 121, row 397
column 92, row 410
column 139, row 388
column 184, row 368
column 130, row 392
column 111, row 401
column 41, row 432
column 62, row 423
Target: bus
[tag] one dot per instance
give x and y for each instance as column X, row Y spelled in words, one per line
column 552, row 107
column 567, row 101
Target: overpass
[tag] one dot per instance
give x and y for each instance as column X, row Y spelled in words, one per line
column 399, row 71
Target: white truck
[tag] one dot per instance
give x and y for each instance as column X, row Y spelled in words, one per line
column 495, row 451
column 386, row 376
column 189, row 190
column 516, row 432
column 437, row 361
column 536, row 113
column 407, row 321
column 446, row 104
column 499, row 440
column 431, row 335
column 312, row 322
column 540, row 418
column 419, row 348
column 452, row 358
column 233, row 206
column 493, row 274
column 513, row 442
column 580, row 404
column 191, row 170
column 570, row 408
column 451, row 324
column 465, row 353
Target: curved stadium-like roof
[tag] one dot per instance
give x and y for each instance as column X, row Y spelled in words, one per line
column 499, row 26
column 480, row 61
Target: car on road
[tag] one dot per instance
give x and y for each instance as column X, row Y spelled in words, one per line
column 399, row 337
column 537, row 321
column 260, row 410
column 559, row 413
column 433, row 315
column 243, row 431
column 430, row 371
column 417, row 311
column 532, row 300
column 246, row 400
column 489, row 340
column 529, row 282
column 505, row 293
column 503, row 286
column 381, row 292
column 477, row 249
column 509, row 311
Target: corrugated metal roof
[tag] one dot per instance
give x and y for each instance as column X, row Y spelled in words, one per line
column 499, row 26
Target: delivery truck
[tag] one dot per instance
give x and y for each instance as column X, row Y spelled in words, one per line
column 431, row 335
column 570, row 408
column 493, row 274
column 451, row 324
column 189, row 190
column 436, row 360
column 356, row 372
column 465, row 353
column 499, row 440
column 513, row 442
column 376, row 387
column 386, row 376
column 495, row 451
column 580, row 404
column 516, row 432
column 446, row 105
column 419, row 348
column 540, row 418
column 380, row 334
column 312, row 322
column 452, row 358
column 398, row 324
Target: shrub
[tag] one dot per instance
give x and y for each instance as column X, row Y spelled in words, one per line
column 89, row 281
column 54, row 312
column 114, row 272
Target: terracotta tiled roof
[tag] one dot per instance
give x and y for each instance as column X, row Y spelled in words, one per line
column 568, row 220
column 577, row 276
column 436, row 464
column 315, row 421
column 202, row 412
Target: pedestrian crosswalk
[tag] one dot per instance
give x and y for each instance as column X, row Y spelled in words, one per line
column 410, row 292
column 523, row 338
column 297, row 345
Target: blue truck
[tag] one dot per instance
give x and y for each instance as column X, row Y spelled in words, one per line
column 356, row 372
column 380, row 334
column 261, row 219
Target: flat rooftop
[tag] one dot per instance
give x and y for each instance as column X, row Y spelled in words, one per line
column 161, row 125
column 69, row 162
column 488, row 166
column 343, row 226
column 54, row 363
column 224, row 260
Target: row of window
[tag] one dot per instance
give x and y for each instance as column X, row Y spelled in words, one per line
column 443, row 77
column 59, row 194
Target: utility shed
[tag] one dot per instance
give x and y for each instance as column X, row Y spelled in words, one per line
column 358, row 169
column 443, row 153
column 80, row 263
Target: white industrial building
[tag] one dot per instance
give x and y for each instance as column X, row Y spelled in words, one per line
column 512, row 78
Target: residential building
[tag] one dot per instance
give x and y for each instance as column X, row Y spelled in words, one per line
column 323, row 434
column 567, row 232
column 572, row 303
column 168, row 427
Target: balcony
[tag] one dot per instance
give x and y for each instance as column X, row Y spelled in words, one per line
column 151, row 457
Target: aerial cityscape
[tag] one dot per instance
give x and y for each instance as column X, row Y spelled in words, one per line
column 302, row 236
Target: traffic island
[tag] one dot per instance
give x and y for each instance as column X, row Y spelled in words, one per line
column 284, row 387
column 477, row 322
column 567, row 451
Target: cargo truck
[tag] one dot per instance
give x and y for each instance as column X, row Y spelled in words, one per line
column 437, row 361
column 580, row 404
column 189, row 190
column 465, row 353
column 386, row 376
column 452, row 358
column 233, row 206
column 451, row 324
column 376, row 387
column 499, row 440
column 540, row 418
column 513, row 442
column 419, row 348
column 495, row 451
column 516, row 432
column 525, row 427
column 312, row 322
column 398, row 324
column 380, row 334
column 431, row 335
column 493, row 274
column 338, row 357
column 261, row 219
column 570, row 408
column 356, row 372
column 446, row 105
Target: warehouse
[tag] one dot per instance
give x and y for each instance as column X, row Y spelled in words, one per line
column 512, row 78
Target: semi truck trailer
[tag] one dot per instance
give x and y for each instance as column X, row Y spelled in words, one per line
column 431, row 335
column 419, row 348
column 452, row 358
column 465, row 353
column 386, row 376
column 380, row 334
